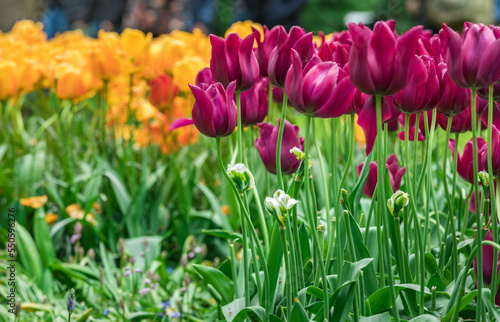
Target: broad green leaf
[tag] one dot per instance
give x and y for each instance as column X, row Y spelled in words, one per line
column 135, row 246
column 380, row 301
column 298, row 313
column 486, row 294
column 42, row 238
column 254, row 313
column 226, row 234
column 463, row 303
column 121, row 193
column 274, row 259
column 84, row 316
column 219, row 219
column 218, row 280
column 383, row 317
column 60, row 225
column 28, row 254
column 425, row 318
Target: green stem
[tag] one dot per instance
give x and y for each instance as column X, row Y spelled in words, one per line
column 380, row 185
column 381, row 203
column 279, row 175
column 479, row 313
column 248, row 220
column 293, row 261
column 312, row 220
column 494, row 218
column 233, row 269
column 451, row 214
column 239, row 133
column 289, row 277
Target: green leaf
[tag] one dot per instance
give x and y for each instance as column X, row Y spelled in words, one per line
column 298, row 313
column 431, row 265
column 274, row 259
column 84, row 316
column 425, row 318
column 380, row 301
column 60, row 225
column 253, row 313
column 384, row 317
column 226, row 234
column 357, row 191
column 28, row 254
column 121, row 193
column 218, row 280
column 42, row 238
column 135, row 246
column 486, row 294
column 463, row 303
column 219, row 219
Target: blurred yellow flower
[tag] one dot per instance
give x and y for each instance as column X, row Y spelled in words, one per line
column 72, row 83
column 76, row 212
column 9, row 79
column 34, row 202
column 134, row 46
column 103, row 56
column 244, row 28
column 185, row 71
column 359, row 135
column 50, row 218
column 29, row 31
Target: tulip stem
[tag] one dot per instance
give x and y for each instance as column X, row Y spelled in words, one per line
column 479, row 312
column 233, row 269
column 312, row 221
column 240, row 129
column 269, row 102
column 451, row 213
column 381, row 205
column 246, row 217
column 288, row 281
column 278, row 144
column 492, row 192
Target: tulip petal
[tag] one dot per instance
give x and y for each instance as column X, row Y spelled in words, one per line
column 203, row 112
column 381, row 52
column 181, row 123
column 248, row 64
column 295, row 82
column 358, row 60
column 489, row 65
column 455, row 56
column 218, row 63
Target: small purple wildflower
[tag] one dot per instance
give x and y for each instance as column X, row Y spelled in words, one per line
column 144, row 291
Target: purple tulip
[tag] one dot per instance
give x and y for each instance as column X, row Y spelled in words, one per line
column 473, row 57
column 422, row 92
column 272, row 38
column 495, row 153
column 266, row 145
column 254, row 103
column 488, row 254
column 233, row 59
column 358, row 101
column 460, row 123
column 496, row 116
column 214, row 110
column 321, row 89
column 464, row 161
column 454, row 99
column 280, row 58
column 204, row 78
column 379, row 59
column 368, row 119
column 336, row 52
column 412, row 123
column 395, row 175
column 484, row 92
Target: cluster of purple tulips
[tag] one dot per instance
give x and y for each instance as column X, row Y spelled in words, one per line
column 415, row 80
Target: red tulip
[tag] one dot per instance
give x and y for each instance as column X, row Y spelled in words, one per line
column 473, row 57
column 254, row 103
column 395, row 175
column 163, row 91
column 379, row 60
column 280, row 58
column 321, row 89
column 233, row 59
column 266, row 145
column 214, row 110
column 464, row 163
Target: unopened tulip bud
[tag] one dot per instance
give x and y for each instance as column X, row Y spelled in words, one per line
column 484, row 178
column 298, row 153
column 397, row 201
column 274, row 209
column 241, row 176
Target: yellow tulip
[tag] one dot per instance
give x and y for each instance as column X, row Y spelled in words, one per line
column 135, row 46
column 244, row 28
column 103, row 58
column 9, row 79
column 72, row 83
column 185, row 71
column 29, row 31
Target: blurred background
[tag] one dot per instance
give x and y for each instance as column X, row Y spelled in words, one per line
column 215, row 16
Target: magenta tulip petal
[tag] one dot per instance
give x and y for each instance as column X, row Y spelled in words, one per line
column 489, row 66
column 181, row 123
column 295, row 82
column 218, row 60
column 248, row 64
column 382, row 47
column 203, row 112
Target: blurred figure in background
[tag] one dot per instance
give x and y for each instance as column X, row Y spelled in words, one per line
column 270, row 12
column 164, row 16
column 433, row 13
column 88, row 15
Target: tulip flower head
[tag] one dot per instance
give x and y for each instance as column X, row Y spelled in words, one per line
column 395, row 174
column 454, row 99
column 460, row 123
column 280, row 58
column 241, row 176
column 464, row 161
column 473, row 57
column 233, row 59
column 321, row 89
column 488, row 254
column 266, row 145
column 254, row 103
column 271, row 38
column 279, row 205
column 494, row 154
column 379, row 59
column 214, row 111
column 163, row 91
column 397, row 202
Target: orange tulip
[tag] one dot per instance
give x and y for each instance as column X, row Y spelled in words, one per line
column 103, row 58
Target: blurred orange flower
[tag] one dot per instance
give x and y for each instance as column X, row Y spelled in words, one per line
column 34, row 202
